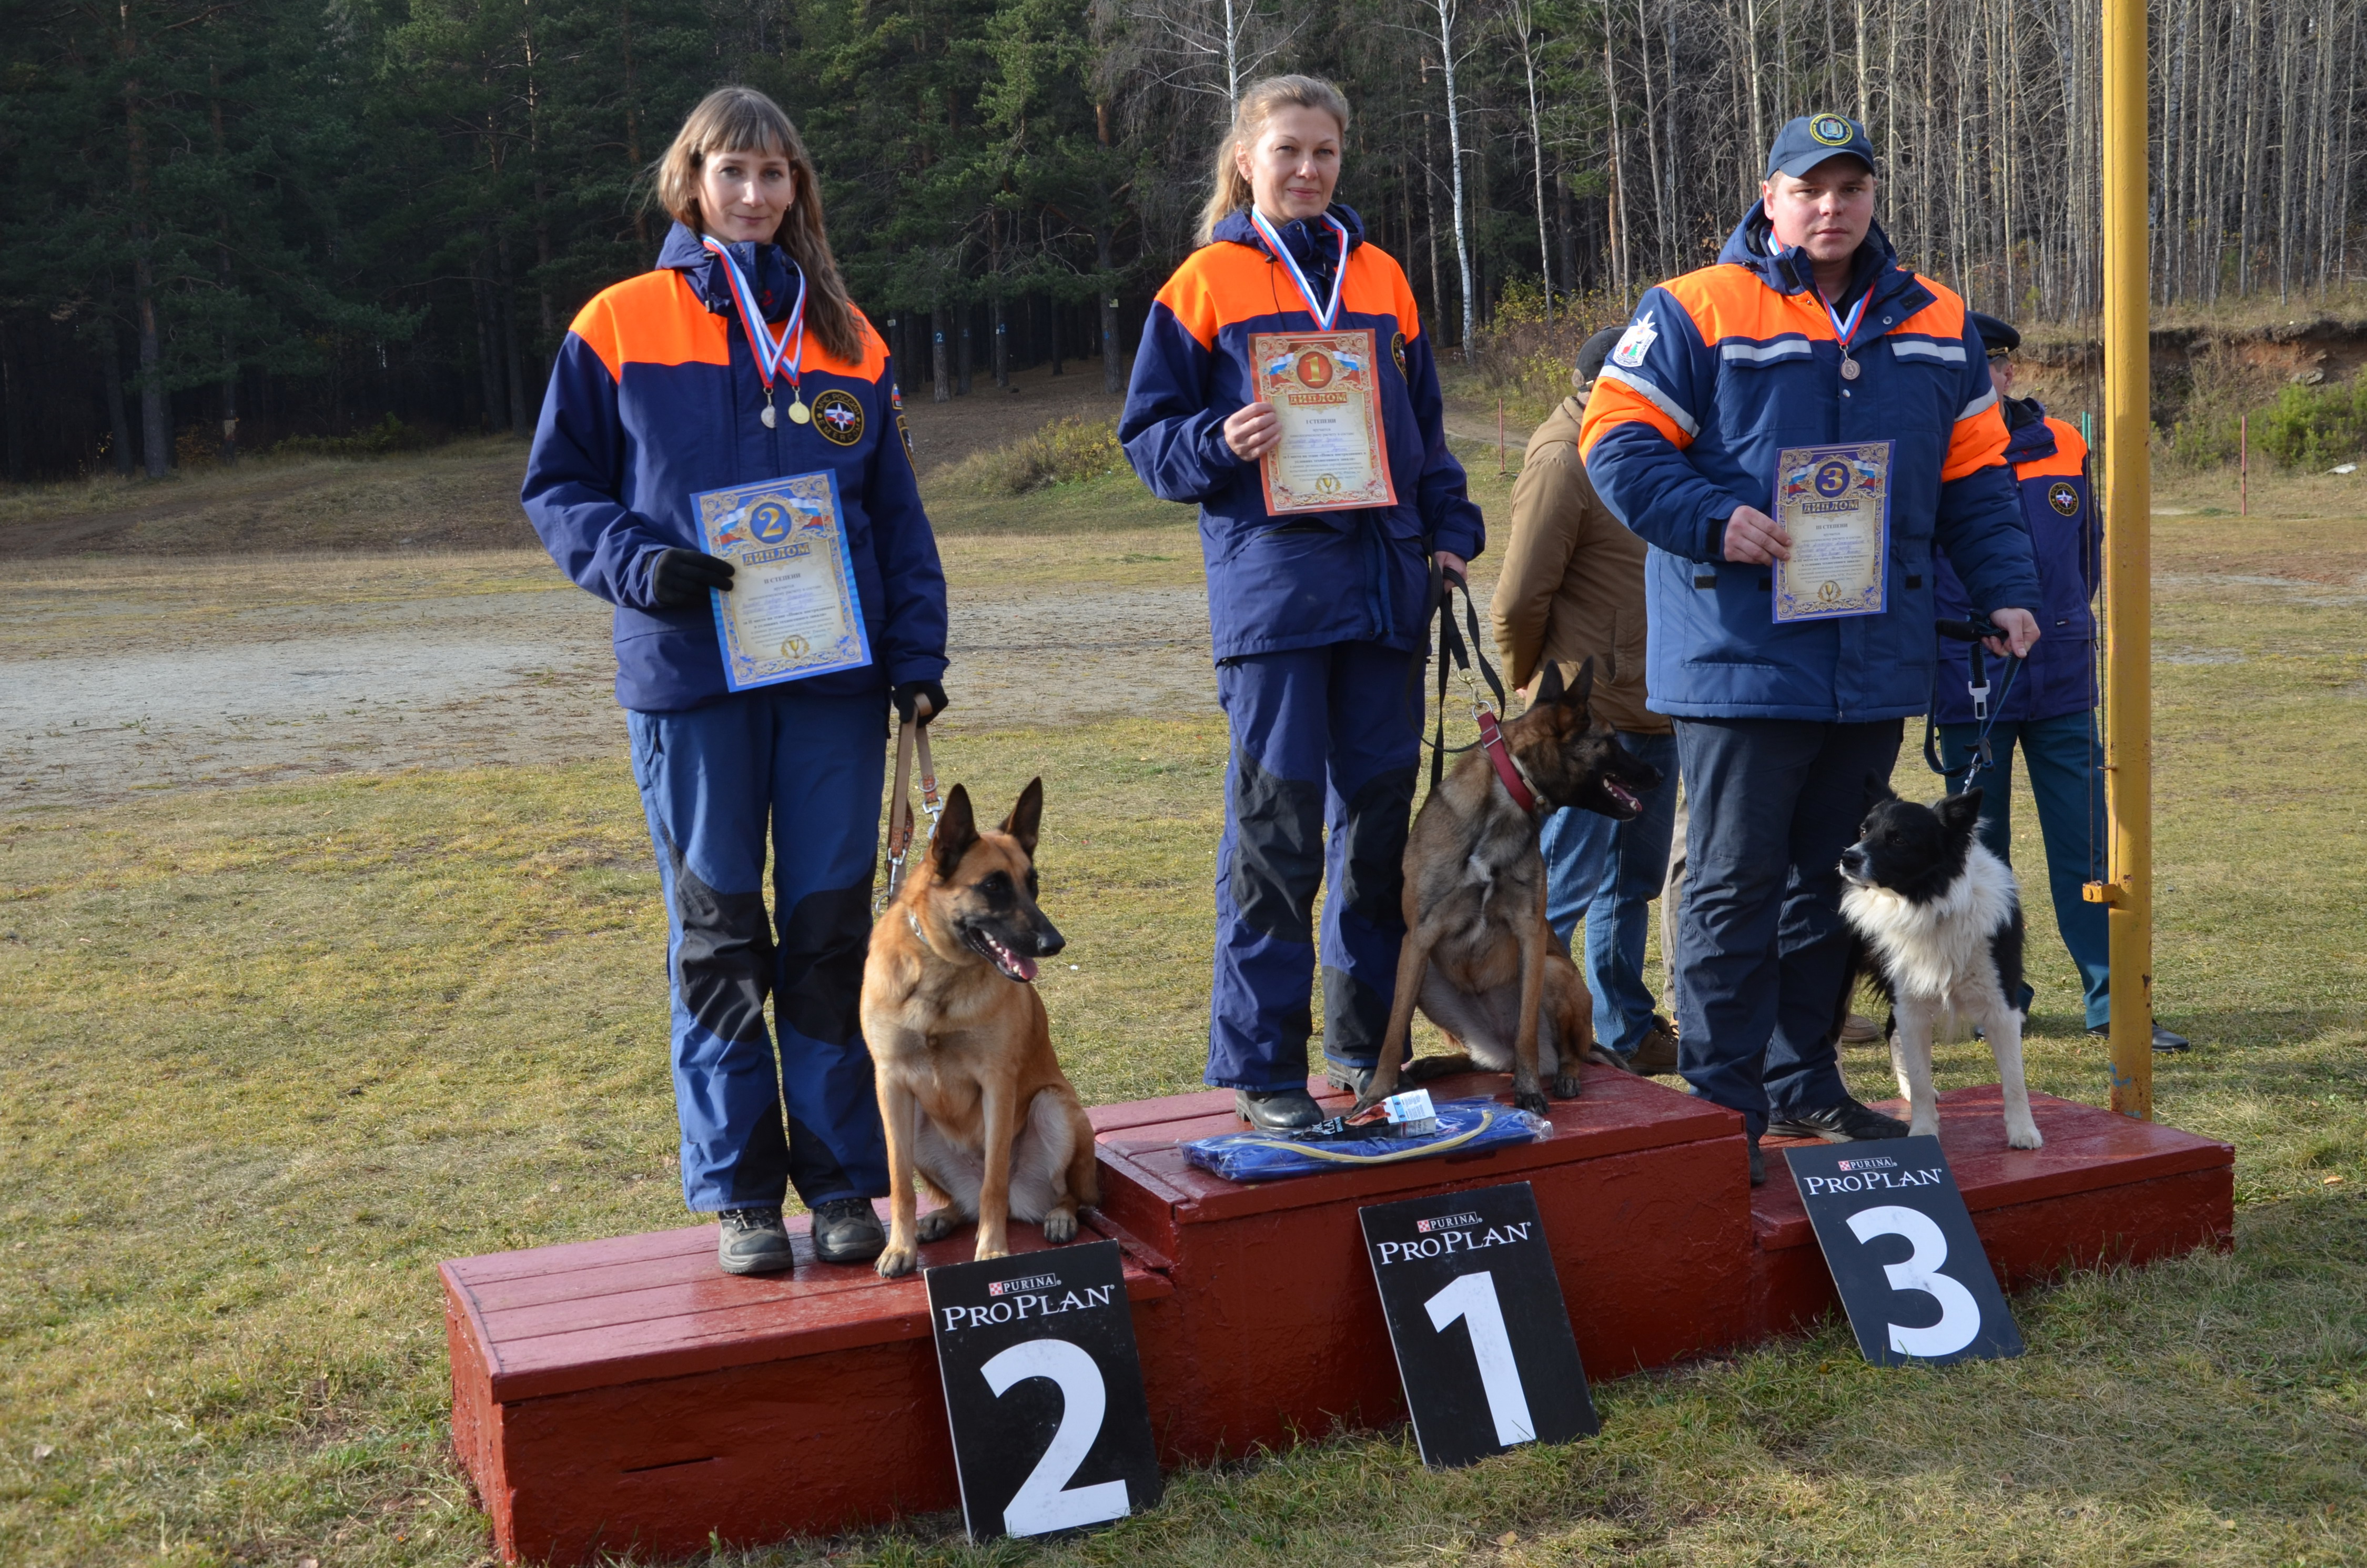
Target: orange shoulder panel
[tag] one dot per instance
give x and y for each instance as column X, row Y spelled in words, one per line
column 2070, row 451
column 1943, row 317
column 1615, row 403
column 651, row 320
column 1377, row 286
column 1728, row 301
column 875, row 352
column 1977, row 443
column 1217, row 284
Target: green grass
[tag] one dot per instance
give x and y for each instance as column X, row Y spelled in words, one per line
column 268, row 1054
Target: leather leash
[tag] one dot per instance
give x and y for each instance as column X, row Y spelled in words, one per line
column 911, row 735
column 1452, row 647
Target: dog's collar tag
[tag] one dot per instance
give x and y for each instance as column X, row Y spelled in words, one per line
column 1491, row 737
column 918, row 935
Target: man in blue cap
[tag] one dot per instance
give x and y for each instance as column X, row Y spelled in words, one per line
column 1807, row 332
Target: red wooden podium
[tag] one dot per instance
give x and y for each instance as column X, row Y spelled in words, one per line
column 623, row 1396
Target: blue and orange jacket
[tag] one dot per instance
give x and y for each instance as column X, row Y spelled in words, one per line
column 1721, row 370
column 2050, row 466
column 655, row 397
column 1318, row 577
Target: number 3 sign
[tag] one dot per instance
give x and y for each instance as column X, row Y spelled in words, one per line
column 1932, row 1299
column 1044, row 1390
column 1510, row 1375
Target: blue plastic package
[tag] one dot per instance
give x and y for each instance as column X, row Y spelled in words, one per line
column 1464, row 1127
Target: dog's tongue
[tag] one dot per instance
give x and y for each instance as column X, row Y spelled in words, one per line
column 1023, row 966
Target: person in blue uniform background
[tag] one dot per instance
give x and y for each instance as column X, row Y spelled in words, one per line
column 665, row 387
column 1317, row 616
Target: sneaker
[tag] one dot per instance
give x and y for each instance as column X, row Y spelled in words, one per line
column 751, row 1241
column 846, row 1231
column 2163, row 1040
column 1656, row 1052
column 1758, row 1164
column 1859, row 1029
column 1847, row 1122
column 1276, row 1110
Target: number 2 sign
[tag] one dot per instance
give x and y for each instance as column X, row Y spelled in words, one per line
column 1910, row 1268
column 1044, row 1391
column 1477, row 1320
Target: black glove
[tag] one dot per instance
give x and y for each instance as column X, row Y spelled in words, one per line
column 679, row 578
column 902, row 696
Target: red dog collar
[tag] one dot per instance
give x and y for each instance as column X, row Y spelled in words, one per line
column 1491, row 737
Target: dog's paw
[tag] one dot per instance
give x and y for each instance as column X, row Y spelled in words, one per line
column 939, row 1224
column 897, row 1260
column 986, row 1252
column 1060, row 1226
column 1532, row 1102
column 1919, row 1127
column 1565, row 1085
column 2024, row 1137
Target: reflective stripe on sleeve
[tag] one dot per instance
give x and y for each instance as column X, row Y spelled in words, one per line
column 1978, row 406
column 1760, row 353
column 1656, row 397
column 1918, row 348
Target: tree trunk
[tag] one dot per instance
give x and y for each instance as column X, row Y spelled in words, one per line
column 962, row 356
column 941, row 377
column 119, row 428
column 489, row 371
column 521, row 417
column 1445, row 10
column 1105, row 302
column 1001, row 346
column 155, row 424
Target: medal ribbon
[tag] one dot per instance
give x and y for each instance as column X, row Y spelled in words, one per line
column 1324, row 316
column 1845, row 328
column 791, row 346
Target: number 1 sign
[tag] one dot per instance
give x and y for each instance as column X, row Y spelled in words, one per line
column 1509, row 1373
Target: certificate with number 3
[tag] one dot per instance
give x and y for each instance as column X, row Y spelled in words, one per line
column 1835, row 503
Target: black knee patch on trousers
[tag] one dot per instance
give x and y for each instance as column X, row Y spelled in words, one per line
column 1379, row 816
column 1277, row 850
column 725, row 962
column 823, row 946
column 1355, row 1017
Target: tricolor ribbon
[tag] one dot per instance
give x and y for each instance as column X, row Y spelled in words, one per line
column 769, row 352
column 1324, row 315
column 1845, row 328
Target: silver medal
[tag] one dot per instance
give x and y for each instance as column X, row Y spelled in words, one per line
column 1848, row 369
column 769, row 417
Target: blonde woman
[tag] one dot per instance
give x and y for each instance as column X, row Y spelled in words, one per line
column 741, row 358
column 1317, row 612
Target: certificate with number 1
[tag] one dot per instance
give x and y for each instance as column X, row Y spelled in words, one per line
column 1835, row 503
column 1326, row 394
column 792, row 611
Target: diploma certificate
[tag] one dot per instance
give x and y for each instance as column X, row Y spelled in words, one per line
column 1835, row 503
column 791, row 611
column 1326, row 391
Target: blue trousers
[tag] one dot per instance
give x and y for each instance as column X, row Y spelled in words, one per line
column 1760, row 943
column 2066, row 780
column 1610, row 872
column 1325, row 743
column 712, row 779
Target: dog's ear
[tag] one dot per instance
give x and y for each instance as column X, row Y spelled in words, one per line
column 1582, row 688
column 1957, row 814
column 1549, row 685
column 957, row 831
column 1026, row 816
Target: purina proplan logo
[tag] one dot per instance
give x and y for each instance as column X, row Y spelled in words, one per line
column 1872, row 1162
column 1446, row 1223
column 1033, row 1282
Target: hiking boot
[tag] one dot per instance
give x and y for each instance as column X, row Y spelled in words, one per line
column 1656, row 1052
column 1758, row 1164
column 1859, row 1029
column 2163, row 1040
column 846, row 1231
column 1276, row 1110
column 751, row 1241
column 1847, row 1122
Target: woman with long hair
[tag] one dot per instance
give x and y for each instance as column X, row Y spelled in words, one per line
column 1316, row 609
column 740, row 359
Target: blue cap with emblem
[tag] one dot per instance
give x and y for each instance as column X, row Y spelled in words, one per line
column 1805, row 142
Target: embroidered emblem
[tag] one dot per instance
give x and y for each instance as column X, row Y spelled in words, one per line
column 1635, row 343
column 906, row 431
column 1830, row 128
column 839, row 417
column 895, row 397
column 2064, row 497
column 1397, row 351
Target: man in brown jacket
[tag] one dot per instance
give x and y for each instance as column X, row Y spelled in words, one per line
column 1573, row 586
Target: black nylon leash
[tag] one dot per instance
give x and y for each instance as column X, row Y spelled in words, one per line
column 1985, row 714
column 1452, row 646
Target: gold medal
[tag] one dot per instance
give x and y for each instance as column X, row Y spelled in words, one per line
column 1849, row 368
column 768, row 415
column 798, row 413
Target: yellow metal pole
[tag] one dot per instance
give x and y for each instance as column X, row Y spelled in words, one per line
column 2127, row 891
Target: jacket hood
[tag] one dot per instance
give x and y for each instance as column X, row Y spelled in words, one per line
column 1786, row 269
column 770, row 272
column 1297, row 234
column 2028, row 435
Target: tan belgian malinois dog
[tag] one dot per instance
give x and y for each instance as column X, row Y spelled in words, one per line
column 969, row 1091
column 1478, row 957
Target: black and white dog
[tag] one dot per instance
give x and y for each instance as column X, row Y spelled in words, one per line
column 1937, row 920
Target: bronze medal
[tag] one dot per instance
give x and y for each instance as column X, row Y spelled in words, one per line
column 1849, row 368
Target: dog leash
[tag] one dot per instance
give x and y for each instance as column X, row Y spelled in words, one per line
column 1984, row 757
column 1453, row 648
column 911, row 735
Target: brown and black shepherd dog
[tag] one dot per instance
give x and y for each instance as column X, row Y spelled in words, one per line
column 1478, row 956
column 969, row 1091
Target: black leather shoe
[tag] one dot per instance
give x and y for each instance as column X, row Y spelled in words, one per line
column 1349, row 1077
column 846, row 1231
column 1847, row 1122
column 1758, row 1164
column 751, row 1241
column 1276, row 1110
column 2163, row 1040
